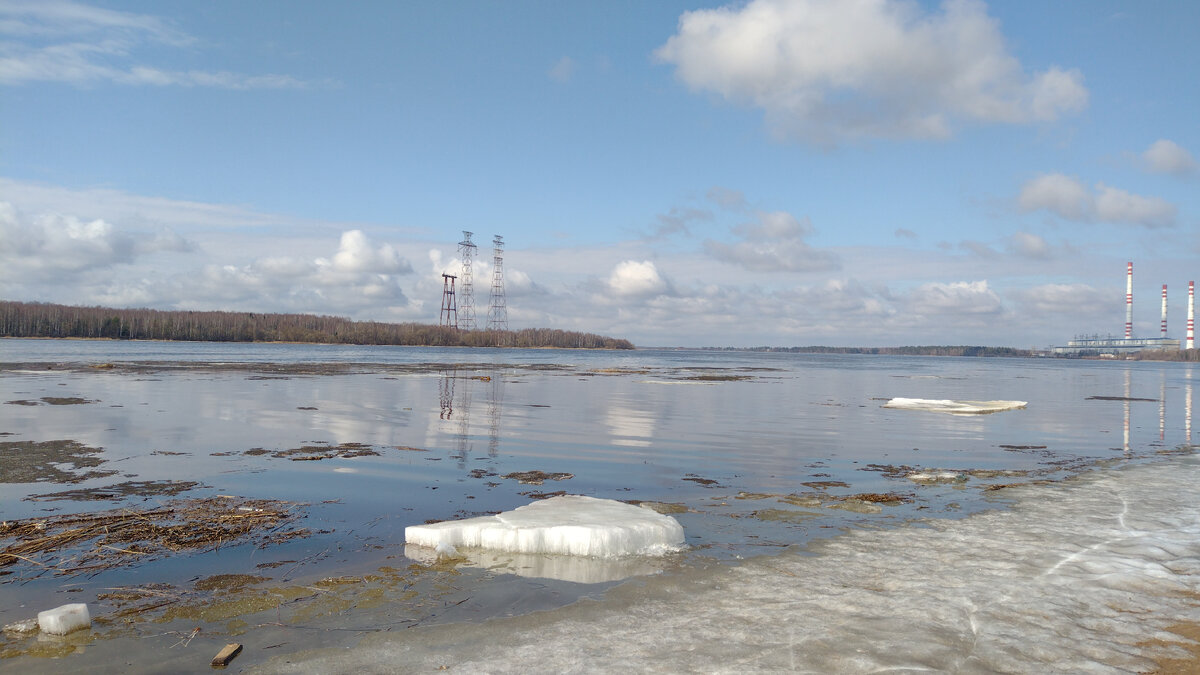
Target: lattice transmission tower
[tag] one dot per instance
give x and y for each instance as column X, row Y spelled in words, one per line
column 498, row 311
column 466, row 290
column 449, row 314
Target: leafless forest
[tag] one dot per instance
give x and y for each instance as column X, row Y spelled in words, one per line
column 43, row 320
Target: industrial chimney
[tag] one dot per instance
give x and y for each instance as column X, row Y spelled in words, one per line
column 1129, row 301
column 1164, row 319
column 1191, row 326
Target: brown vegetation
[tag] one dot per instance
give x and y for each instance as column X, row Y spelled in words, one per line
column 43, row 320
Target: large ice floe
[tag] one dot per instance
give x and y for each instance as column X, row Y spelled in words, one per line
column 567, row 525
column 1082, row 577
column 954, row 407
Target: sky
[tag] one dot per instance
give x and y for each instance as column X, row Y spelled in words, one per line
column 782, row 173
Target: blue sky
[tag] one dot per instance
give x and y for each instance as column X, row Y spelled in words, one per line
column 678, row 173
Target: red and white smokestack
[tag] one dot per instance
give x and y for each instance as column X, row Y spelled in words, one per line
column 1129, row 301
column 1164, row 320
column 1191, row 328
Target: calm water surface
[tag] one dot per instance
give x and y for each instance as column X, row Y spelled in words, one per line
column 723, row 435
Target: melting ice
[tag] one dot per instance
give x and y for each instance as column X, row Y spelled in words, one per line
column 954, row 407
column 1074, row 577
column 564, row 525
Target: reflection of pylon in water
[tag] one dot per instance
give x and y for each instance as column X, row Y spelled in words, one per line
column 446, row 395
column 494, row 403
column 461, row 446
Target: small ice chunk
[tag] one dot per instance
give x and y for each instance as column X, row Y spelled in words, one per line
column 954, row 407
column 565, row 525
column 64, row 619
column 930, row 477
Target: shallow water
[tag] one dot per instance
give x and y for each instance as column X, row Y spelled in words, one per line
column 730, row 438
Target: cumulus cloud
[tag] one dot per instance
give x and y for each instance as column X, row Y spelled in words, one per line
column 958, row 298
column 71, row 43
column 1114, row 205
column 356, row 254
column 904, row 233
column 359, row 275
column 1164, row 156
column 826, row 70
column 50, row 245
column 773, row 243
column 1068, row 198
column 1029, row 245
column 1064, row 299
column 637, row 279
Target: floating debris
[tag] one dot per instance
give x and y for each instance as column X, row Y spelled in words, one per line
column 536, row 477
column 87, row 543
column 141, row 488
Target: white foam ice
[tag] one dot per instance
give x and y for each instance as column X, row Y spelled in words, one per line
column 954, row 407
column 564, row 525
column 1080, row 577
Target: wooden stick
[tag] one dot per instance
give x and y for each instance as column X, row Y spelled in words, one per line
column 226, row 655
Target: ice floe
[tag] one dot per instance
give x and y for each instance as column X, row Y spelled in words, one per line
column 954, row 407
column 565, row 525
column 1081, row 576
column 573, row 568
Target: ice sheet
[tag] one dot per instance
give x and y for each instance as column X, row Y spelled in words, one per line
column 954, row 407
column 565, row 525
column 1076, row 577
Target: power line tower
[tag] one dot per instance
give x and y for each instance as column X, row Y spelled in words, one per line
column 466, row 290
column 498, row 311
column 449, row 314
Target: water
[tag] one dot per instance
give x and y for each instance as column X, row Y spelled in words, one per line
column 730, row 438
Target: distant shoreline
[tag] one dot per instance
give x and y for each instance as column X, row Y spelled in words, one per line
column 45, row 320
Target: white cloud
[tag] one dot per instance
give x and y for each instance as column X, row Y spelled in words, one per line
column 1029, row 245
column 1065, row 299
column 632, row 278
column 773, row 243
column 563, row 70
column 959, row 297
column 355, row 254
column 50, row 245
column 1068, row 198
column 61, row 41
column 1164, row 156
column 1114, row 205
column 826, row 70
column 1060, row 194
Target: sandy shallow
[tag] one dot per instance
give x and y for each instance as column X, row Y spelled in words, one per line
column 1097, row 575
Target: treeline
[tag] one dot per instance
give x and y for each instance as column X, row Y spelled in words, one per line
column 43, row 320
column 1192, row 355
column 920, row 350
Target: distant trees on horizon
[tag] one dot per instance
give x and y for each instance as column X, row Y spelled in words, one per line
column 45, row 320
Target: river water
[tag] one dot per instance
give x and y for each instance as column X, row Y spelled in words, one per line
column 760, row 456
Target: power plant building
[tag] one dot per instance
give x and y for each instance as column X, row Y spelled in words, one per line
column 1095, row 345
